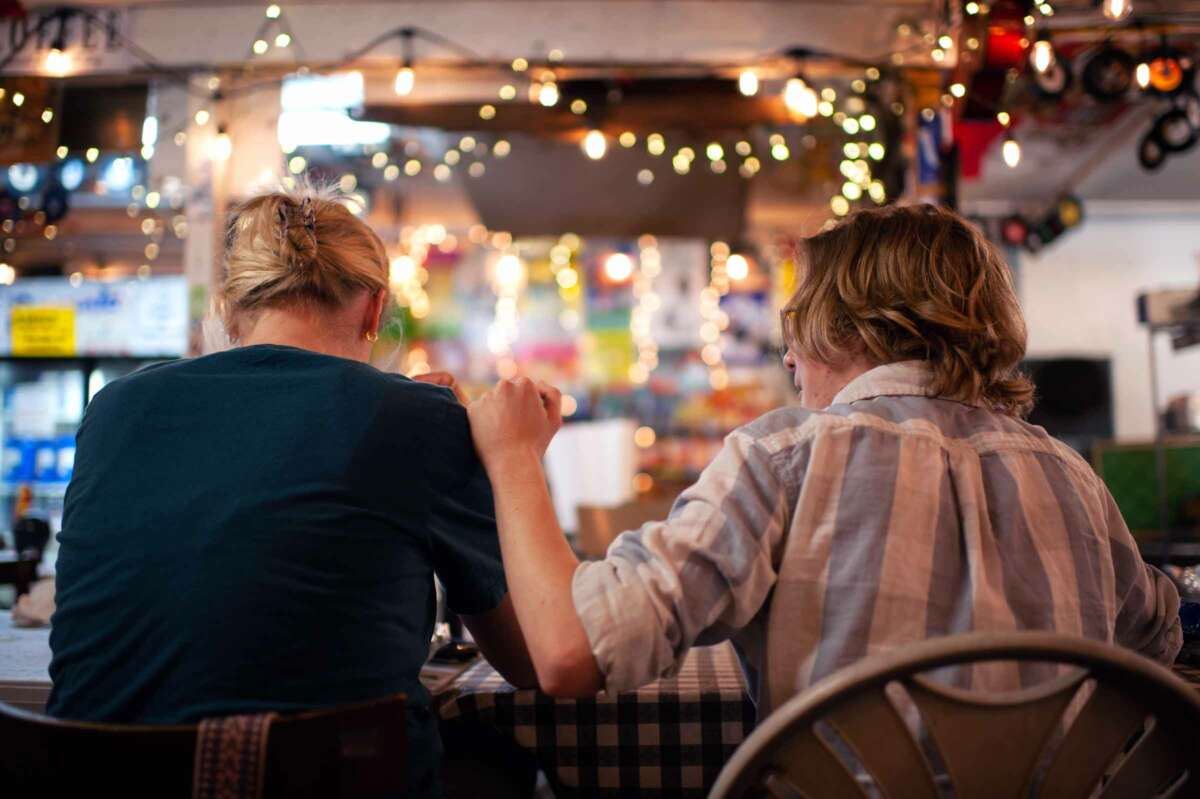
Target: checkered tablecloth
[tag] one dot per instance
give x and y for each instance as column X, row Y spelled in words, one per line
column 669, row 738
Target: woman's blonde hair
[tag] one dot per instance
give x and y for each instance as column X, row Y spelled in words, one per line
column 302, row 246
column 914, row 283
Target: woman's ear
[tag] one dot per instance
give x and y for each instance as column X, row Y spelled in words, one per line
column 375, row 308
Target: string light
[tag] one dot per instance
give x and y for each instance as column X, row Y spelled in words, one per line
column 221, row 147
column 548, row 95
column 18, row 99
column 748, row 83
column 712, row 317
column 1117, row 10
column 260, row 46
column 1042, row 55
column 618, row 267
column 273, row 11
column 641, row 317
column 737, row 267
column 595, row 145
column 1011, row 150
column 799, row 97
column 655, row 144
column 404, row 82
column 58, row 61
column 627, row 139
column 1142, row 75
column 283, row 40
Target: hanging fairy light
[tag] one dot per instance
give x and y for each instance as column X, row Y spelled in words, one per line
column 748, row 82
column 1117, row 10
column 547, row 95
column 58, row 60
column 508, row 276
column 406, row 78
column 642, row 315
column 1041, row 56
column 1011, row 150
column 221, row 146
column 1142, row 74
column 800, row 98
column 595, row 145
column 713, row 319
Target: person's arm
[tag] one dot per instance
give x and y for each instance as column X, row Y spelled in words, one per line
column 465, row 548
column 512, row 426
column 499, row 637
column 1147, row 609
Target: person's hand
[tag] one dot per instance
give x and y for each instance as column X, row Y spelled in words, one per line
column 444, row 379
column 516, row 416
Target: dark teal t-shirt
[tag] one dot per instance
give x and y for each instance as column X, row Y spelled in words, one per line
column 259, row 529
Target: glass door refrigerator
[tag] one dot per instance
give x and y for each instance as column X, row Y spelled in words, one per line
column 60, row 344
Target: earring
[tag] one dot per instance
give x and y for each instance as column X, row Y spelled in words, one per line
column 371, row 336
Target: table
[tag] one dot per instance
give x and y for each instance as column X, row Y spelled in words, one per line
column 669, row 738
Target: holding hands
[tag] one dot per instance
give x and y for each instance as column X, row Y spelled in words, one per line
column 517, row 417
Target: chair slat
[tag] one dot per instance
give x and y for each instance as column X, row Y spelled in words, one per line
column 973, row 736
column 1108, row 719
column 809, row 765
column 864, row 721
column 1143, row 771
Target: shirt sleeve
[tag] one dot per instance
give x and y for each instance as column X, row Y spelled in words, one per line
column 462, row 516
column 697, row 577
column 1147, row 601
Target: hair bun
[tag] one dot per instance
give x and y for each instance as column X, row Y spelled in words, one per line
column 298, row 230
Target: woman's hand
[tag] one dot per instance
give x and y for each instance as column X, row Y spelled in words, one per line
column 446, row 380
column 516, row 416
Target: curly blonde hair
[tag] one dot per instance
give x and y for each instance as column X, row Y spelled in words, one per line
column 300, row 246
column 914, row 283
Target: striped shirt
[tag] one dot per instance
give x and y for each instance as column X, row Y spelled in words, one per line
column 814, row 539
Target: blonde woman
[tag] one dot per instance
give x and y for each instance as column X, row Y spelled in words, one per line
column 906, row 499
column 259, row 529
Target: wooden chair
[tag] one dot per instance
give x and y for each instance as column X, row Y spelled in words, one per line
column 1136, row 735
column 348, row 751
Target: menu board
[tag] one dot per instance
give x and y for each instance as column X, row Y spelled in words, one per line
column 51, row 317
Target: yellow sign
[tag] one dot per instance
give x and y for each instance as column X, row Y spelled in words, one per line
column 43, row 331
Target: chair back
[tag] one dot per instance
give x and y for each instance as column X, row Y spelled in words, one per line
column 1116, row 724
column 347, row 751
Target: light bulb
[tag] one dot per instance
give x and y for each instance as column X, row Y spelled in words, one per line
column 1011, row 150
column 737, row 267
column 1042, row 56
column 800, row 98
column 58, row 62
column 1117, row 10
column 1142, row 75
column 748, row 83
column 548, row 94
column 595, row 145
column 221, row 147
column 405, row 79
column 618, row 267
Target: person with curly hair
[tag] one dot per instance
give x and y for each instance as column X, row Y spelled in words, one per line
column 905, row 499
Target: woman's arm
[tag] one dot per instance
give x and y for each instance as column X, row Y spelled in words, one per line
column 500, row 640
column 512, row 425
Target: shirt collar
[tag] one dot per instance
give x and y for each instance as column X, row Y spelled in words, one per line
column 900, row 379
